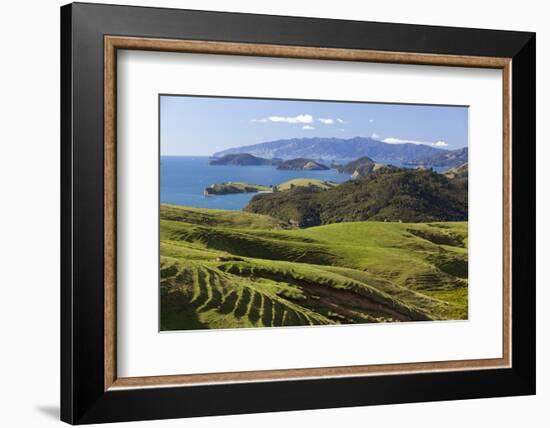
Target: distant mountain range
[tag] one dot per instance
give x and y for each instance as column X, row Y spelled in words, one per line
column 450, row 158
column 338, row 148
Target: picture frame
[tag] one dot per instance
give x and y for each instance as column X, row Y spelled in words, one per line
column 91, row 390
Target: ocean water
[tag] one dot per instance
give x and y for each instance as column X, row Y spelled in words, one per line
column 183, row 179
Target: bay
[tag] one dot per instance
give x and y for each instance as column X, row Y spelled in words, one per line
column 184, row 178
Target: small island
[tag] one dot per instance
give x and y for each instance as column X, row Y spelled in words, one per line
column 243, row 159
column 302, row 164
column 232, row 187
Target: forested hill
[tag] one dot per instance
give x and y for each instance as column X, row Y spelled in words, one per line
column 386, row 195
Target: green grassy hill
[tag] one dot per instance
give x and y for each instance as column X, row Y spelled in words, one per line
column 306, row 182
column 221, row 218
column 229, row 269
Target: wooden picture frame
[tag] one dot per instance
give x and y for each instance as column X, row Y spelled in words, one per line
column 91, row 390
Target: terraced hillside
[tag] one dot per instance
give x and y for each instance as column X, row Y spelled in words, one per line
column 229, row 269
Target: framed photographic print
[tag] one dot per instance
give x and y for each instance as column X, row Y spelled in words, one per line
column 265, row 213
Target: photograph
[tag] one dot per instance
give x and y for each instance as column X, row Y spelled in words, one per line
column 282, row 212
column 279, row 210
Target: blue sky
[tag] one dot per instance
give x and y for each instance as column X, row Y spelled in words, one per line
column 195, row 126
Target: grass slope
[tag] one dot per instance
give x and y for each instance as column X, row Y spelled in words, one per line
column 229, row 269
column 306, row 182
column 221, row 218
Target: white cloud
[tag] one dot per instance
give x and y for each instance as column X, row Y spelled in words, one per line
column 371, row 120
column 301, row 118
column 375, row 136
column 308, row 127
column 391, row 140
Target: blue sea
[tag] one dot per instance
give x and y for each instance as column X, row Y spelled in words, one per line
column 183, row 179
